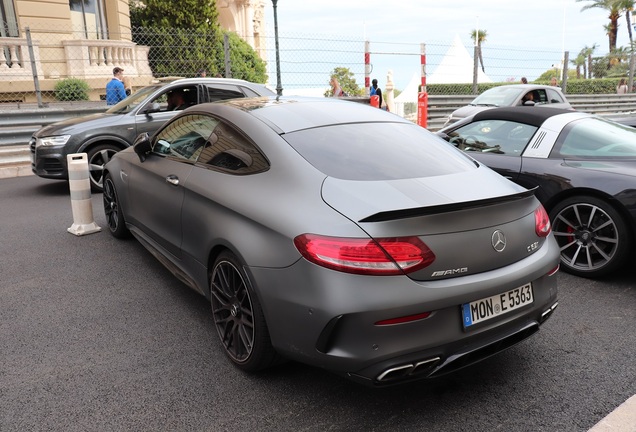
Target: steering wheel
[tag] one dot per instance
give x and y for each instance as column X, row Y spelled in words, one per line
column 456, row 141
column 468, row 143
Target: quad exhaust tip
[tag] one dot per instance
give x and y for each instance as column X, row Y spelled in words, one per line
column 407, row 370
column 548, row 313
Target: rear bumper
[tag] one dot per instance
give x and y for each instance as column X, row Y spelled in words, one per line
column 330, row 321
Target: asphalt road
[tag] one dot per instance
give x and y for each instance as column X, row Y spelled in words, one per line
column 95, row 335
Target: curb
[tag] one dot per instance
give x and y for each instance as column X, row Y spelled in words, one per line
column 15, row 171
column 622, row 419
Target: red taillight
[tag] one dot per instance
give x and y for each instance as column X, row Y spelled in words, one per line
column 404, row 319
column 541, row 222
column 385, row 256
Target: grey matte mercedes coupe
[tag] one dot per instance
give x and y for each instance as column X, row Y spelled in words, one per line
column 337, row 235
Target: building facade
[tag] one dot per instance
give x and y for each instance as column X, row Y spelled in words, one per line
column 43, row 41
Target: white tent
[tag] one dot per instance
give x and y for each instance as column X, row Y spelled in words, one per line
column 456, row 67
column 408, row 95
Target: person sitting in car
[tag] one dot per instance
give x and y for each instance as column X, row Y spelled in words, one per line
column 528, row 97
column 176, row 100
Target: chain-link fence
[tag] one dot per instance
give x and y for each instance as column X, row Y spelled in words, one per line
column 39, row 63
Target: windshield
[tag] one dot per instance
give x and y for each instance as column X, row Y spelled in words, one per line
column 499, row 96
column 132, row 101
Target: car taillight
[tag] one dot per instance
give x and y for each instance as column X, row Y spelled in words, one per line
column 385, row 256
column 541, row 222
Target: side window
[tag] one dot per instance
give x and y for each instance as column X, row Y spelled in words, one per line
column 493, row 136
column 218, row 92
column 228, row 150
column 540, row 97
column 184, row 138
column 175, row 99
column 554, row 96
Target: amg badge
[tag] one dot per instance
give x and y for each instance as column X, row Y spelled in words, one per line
column 450, row 272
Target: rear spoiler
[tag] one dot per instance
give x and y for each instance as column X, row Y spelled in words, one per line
column 444, row 208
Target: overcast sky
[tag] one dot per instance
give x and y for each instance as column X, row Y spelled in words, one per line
column 554, row 25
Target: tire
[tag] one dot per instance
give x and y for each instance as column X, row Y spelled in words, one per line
column 593, row 237
column 98, row 156
column 238, row 316
column 113, row 211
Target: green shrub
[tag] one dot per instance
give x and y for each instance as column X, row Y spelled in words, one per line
column 574, row 86
column 71, row 89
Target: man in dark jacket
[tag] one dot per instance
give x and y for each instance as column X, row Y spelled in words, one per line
column 375, row 90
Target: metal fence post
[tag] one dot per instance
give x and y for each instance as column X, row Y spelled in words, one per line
column 34, row 69
column 226, row 51
column 476, row 65
column 630, row 85
column 564, row 79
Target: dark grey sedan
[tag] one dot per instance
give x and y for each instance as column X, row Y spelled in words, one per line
column 102, row 135
column 337, row 235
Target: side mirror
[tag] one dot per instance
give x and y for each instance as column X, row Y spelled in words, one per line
column 142, row 146
column 153, row 108
column 529, row 103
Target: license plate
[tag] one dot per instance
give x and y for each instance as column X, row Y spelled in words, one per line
column 497, row 305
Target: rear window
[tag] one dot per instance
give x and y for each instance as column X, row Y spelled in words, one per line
column 378, row 151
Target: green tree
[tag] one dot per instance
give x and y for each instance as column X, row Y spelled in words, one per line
column 187, row 38
column 579, row 61
column 614, row 8
column 588, row 51
column 627, row 6
column 347, row 81
column 479, row 36
column 245, row 63
column 189, row 14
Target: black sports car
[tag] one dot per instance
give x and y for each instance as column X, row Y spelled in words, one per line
column 582, row 166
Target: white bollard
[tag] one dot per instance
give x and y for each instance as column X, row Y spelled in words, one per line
column 80, row 186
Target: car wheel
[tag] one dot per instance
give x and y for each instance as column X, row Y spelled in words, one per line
column 593, row 237
column 112, row 210
column 238, row 316
column 98, row 156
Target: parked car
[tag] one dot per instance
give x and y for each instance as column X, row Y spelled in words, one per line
column 582, row 168
column 337, row 235
column 512, row 95
column 102, row 135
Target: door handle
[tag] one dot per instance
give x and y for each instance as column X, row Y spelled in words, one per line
column 172, row 179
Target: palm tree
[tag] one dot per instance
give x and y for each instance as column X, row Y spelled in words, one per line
column 480, row 36
column 614, row 9
column 627, row 6
column 579, row 62
column 587, row 52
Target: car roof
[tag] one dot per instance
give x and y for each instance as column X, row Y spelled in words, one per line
column 531, row 115
column 292, row 113
column 528, row 86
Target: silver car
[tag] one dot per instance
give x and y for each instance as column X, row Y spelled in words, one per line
column 512, row 95
column 337, row 235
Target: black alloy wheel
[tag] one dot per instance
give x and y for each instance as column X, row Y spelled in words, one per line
column 238, row 316
column 592, row 236
column 98, row 157
column 112, row 210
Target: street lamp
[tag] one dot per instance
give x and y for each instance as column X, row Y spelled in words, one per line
column 279, row 87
